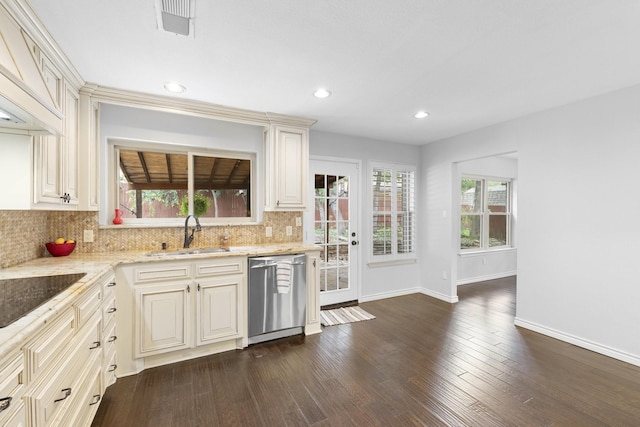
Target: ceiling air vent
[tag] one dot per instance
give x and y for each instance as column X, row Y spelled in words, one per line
column 176, row 16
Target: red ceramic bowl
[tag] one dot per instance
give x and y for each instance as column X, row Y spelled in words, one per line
column 62, row 249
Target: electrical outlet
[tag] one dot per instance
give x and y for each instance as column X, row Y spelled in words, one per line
column 298, row 221
column 289, row 230
column 268, row 231
column 88, row 236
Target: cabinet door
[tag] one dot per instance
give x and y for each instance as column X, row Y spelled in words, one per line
column 219, row 309
column 162, row 318
column 287, row 168
column 48, row 169
column 70, row 146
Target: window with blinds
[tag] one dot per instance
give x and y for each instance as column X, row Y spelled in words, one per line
column 393, row 212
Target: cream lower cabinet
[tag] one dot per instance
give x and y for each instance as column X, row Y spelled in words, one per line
column 180, row 309
column 64, row 364
column 218, row 309
column 162, row 320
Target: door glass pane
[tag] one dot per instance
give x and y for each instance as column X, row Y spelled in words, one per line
column 343, row 278
column 332, row 230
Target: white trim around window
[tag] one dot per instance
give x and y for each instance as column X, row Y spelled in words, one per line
column 392, row 222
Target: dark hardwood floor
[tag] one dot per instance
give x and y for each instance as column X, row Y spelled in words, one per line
column 420, row 362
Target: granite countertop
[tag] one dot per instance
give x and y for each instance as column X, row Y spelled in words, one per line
column 96, row 265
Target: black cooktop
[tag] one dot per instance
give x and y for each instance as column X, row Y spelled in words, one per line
column 20, row 296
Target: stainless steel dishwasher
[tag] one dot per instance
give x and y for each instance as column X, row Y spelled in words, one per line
column 277, row 296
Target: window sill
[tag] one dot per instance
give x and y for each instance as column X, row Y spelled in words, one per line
column 484, row 252
column 175, row 225
column 389, row 263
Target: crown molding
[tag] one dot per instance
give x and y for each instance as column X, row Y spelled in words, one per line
column 168, row 104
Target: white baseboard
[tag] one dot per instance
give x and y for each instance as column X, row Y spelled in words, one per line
column 408, row 291
column 486, row 277
column 384, row 295
column 440, row 296
column 580, row 342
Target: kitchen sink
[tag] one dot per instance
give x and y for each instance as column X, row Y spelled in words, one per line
column 188, row 252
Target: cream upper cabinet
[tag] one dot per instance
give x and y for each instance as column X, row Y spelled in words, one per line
column 56, row 160
column 287, row 167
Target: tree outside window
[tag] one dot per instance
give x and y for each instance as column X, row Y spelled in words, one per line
column 485, row 213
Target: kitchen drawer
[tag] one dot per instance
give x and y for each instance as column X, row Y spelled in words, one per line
column 87, row 304
column 48, row 344
column 108, row 312
column 108, row 285
column 109, row 338
column 221, row 266
column 55, row 393
column 15, row 417
column 87, row 400
column 11, row 386
column 109, row 368
column 161, row 272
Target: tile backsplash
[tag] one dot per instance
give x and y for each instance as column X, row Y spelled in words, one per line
column 24, row 233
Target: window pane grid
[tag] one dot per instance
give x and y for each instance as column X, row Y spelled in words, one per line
column 485, row 213
column 393, row 207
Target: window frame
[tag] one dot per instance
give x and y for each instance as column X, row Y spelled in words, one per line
column 485, row 214
column 393, row 212
column 114, row 147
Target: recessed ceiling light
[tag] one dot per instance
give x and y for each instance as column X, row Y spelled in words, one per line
column 321, row 93
column 420, row 114
column 174, row 87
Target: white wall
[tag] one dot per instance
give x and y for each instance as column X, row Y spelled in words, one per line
column 380, row 281
column 486, row 265
column 118, row 122
column 16, row 171
column 577, row 225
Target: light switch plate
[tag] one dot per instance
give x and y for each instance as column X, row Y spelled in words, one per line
column 289, row 230
column 298, row 221
column 268, row 231
column 87, row 236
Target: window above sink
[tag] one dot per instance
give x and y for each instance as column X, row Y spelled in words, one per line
column 159, row 184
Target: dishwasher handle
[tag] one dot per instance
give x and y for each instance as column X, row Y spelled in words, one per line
column 275, row 264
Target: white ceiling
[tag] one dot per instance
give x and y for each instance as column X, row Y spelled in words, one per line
column 469, row 63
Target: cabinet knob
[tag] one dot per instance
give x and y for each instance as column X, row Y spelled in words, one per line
column 95, row 345
column 112, row 338
column 112, row 310
column 111, row 284
column 112, row 368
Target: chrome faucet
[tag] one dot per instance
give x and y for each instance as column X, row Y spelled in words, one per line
column 189, row 238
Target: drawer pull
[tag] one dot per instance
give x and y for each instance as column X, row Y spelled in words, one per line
column 96, row 344
column 112, row 338
column 5, row 402
column 67, row 393
column 96, row 399
column 112, row 310
column 112, row 368
column 111, row 284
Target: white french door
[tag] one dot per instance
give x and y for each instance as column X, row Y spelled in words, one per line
column 333, row 225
